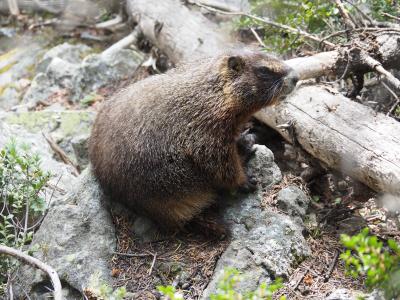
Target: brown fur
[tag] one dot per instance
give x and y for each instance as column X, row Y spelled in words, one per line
column 166, row 144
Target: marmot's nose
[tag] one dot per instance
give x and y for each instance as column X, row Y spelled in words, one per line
column 290, row 82
column 292, row 78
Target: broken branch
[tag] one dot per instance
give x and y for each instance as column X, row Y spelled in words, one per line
column 377, row 66
column 38, row 264
column 61, row 154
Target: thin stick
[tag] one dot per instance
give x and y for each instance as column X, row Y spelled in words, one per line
column 153, row 263
column 301, row 279
column 109, row 23
column 307, row 35
column 257, row 37
column 346, row 18
column 390, row 16
column 397, row 101
column 38, row 264
column 123, row 43
column 332, row 266
column 133, row 254
column 364, row 15
column 61, row 154
column 377, row 66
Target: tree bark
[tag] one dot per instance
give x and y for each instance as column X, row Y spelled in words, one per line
column 345, row 135
column 181, row 33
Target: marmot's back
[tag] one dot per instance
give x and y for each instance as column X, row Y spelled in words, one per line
column 164, row 145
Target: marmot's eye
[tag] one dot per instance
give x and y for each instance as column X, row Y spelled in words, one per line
column 264, row 72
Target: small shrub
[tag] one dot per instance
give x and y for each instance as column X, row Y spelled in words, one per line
column 367, row 256
column 22, row 200
column 318, row 17
column 313, row 16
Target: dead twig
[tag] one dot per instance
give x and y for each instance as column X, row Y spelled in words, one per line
column 364, row 15
column 332, row 266
column 61, row 154
column 345, row 16
column 133, row 254
column 38, row 264
column 123, row 43
column 301, row 279
column 390, row 16
column 377, row 66
column 110, row 23
column 153, row 263
column 258, row 37
column 397, row 99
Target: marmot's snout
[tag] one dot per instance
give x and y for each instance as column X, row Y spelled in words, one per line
column 290, row 82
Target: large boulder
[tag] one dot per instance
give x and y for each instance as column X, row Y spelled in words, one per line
column 70, row 129
column 265, row 244
column 16, row 69
column 77, row 238
column 64, row 69
column 62, row 175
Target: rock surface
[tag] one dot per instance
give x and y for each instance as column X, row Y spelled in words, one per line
column 265, row 244
column 62, row 70
column 16, row 70
column 67, row 52
column 293, row 201
column 77, row 238
column 70, row 129
column 62, row 174
column 346, row 294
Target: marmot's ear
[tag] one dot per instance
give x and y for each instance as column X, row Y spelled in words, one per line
column 236, row 63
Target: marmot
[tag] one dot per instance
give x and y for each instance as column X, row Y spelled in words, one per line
column 165, row 145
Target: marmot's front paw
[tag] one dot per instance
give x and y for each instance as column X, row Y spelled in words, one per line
column 250, row 186
column 245, row 144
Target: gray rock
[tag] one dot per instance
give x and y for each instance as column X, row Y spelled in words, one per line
column 293, row 201
column 70, row 129
column 70, row 53
column 264, row 244
column 341, row 294
column 65, row 75
column 77, row 238
column 80, row 78
column 42, row 87
column 80, row 147
column 100, row 70
column 15, row 65
column 62, row 174
column 346, row 294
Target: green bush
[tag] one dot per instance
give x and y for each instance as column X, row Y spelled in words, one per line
column 313, row 16
column 367, row 256
column 22, row 200
column 226, row 289
column 318, row 17
column 378, row 7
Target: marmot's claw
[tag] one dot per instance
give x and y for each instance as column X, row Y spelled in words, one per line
column 250, row 186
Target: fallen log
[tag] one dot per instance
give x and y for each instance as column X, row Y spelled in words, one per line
column 181, row 33
column 58, row 6
column 345, row 135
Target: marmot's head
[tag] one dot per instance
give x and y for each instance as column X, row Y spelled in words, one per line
column 256, row 79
